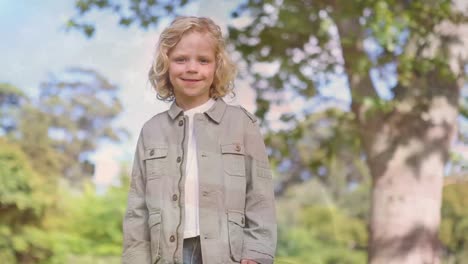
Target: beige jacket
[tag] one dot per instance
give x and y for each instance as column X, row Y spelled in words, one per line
column 237, row 206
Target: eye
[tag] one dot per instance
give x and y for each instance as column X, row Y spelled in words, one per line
column 204, row 61
column 180, row 59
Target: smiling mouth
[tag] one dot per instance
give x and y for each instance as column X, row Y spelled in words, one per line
column 190, row 80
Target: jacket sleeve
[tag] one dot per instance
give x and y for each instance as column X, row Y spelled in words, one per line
column 136, row 241
column 260, row 232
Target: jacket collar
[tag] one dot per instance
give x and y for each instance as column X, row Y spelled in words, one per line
column 216, row 112
column 174, row 111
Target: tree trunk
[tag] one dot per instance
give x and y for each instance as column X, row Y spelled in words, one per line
column 406, row 150
column 407, row 159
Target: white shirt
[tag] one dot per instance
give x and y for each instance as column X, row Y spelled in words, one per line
column 192, row 228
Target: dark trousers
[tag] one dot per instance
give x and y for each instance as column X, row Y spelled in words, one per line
column 192, row 251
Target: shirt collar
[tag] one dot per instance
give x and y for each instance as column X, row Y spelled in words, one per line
column 201, row 108
column 216, row 111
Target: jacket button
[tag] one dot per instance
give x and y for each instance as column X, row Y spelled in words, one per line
column 238, row 148
column 172, row 238
column 151, row 152
column 179, row 159
column 181, row 122
column 174, row 197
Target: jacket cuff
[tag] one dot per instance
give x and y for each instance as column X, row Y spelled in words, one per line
column 257, row 256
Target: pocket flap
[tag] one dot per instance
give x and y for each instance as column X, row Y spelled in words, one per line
column 233, row 148
column 236, row 217
column 154, row 219
column 155, row 152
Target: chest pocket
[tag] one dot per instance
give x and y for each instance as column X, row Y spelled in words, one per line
column 233, row 159
column 155, row 161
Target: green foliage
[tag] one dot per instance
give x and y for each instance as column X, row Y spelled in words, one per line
column 11, row 99
column 324, row 146
column 97, row 220
column 51, row 138
column 21, row 190
column 80, row 228
column 312, row 229
column 24, row 197
column 63, row 126
column 376, row 106
column 454, row 226
column 34, row 140
column 7, row 89
column 145, row 13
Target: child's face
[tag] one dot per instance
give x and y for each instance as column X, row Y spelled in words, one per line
column 192, row 67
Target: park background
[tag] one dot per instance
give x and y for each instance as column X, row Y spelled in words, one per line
column 324, row 78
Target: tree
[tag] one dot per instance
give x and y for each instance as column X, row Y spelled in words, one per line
column 78, row 109
column 42, row 139
column 146, row 13
column 323, row 146
column 416, row 51
column 23, row 123
column 313, row 229
column 58, row 131
column 33, row 137
column 36, row 227
column 11, row 99
column 87, row 228
column 406, row 137
column 24, row 197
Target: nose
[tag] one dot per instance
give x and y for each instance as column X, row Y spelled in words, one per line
column 192, row 66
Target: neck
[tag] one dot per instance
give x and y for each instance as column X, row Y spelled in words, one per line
column 191, row 104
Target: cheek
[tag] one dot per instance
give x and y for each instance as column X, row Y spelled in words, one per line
column 172, row 75
column 211, row 72
column 174, row 70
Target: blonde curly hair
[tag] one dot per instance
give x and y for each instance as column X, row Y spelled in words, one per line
column 223, row 81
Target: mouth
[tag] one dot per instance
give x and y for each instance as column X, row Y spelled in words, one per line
column 190, row 80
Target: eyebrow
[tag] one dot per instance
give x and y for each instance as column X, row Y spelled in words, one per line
column 206, row 55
